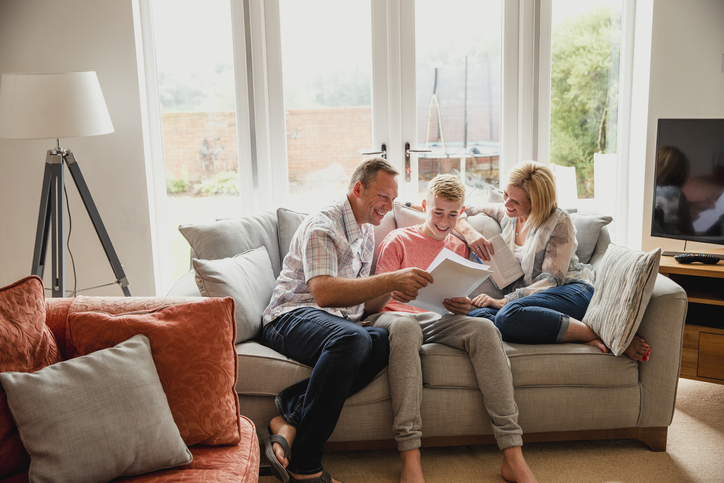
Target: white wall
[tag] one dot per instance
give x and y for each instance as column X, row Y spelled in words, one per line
column 686, row 82
column 79, row 35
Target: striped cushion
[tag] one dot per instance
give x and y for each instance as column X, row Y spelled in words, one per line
column 622, row 291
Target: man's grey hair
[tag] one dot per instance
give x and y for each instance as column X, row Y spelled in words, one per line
column 367, row 170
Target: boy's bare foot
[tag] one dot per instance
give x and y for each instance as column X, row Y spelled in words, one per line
column 598, row 343
column 515, row 469
column 282, row 428
column 638, row 350
column 411, row 466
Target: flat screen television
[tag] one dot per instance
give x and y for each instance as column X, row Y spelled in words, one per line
column 689, row 180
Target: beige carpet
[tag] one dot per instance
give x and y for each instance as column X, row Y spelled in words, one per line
column 695, row 453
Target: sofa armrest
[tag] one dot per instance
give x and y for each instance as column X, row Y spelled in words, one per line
column 663, row 329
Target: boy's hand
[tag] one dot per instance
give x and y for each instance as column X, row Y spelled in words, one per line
column 458, row 305
column 403, row 297
column 487, row 301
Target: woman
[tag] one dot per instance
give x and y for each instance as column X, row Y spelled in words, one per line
column 547, row 304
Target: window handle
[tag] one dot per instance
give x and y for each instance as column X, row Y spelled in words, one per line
column 408, row 169
column 381, row 153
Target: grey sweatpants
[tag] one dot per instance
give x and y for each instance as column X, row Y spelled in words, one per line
column 484, row 345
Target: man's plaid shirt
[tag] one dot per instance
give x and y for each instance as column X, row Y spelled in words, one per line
column 327, row 243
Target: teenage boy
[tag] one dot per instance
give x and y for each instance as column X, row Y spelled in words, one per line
column 410, row 327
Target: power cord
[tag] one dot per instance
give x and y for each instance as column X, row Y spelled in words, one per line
column 67, row 244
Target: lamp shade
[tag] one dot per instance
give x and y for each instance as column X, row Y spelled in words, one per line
column 52, row 106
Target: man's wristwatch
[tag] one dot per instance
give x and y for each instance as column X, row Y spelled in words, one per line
column 408, row 204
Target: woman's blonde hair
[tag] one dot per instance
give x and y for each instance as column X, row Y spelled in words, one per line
column 537, row 181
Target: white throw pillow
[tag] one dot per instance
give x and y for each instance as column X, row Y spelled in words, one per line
column 96, row 417
column 248, row 278
column 622, row 291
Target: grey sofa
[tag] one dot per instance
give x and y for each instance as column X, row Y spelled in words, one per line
column 563, row 391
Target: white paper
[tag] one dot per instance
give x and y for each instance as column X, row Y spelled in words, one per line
column 506, row 268
column 454, row 276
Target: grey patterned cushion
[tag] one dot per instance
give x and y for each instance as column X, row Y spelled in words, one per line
column 622, row 291
column 96, row 417
column 248, row 278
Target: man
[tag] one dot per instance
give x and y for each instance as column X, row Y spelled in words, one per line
column 321, row 293
column 410, row 327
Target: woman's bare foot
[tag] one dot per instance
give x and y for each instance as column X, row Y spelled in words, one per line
column 598, row 343
column 411, row 466
column 282, row 428
column 638, row 350
column 514, row 468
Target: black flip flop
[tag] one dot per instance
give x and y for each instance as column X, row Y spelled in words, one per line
column 323, row 478
column 269, row 439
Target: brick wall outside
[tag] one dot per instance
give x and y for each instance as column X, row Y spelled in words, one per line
column 190, row 138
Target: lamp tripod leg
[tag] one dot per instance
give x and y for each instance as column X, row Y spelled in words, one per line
column 95, row 217
column 51, row 212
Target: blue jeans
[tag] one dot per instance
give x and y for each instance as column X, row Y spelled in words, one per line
column 344, row 357
column 540, row 318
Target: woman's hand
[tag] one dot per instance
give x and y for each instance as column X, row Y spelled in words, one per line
column 483, row 300
column 478, row 244
column 458, row 305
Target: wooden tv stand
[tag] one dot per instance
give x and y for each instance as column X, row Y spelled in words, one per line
column 702, row 356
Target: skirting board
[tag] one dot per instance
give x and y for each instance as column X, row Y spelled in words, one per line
column 654, row 438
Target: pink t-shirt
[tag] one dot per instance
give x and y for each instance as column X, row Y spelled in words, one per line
column 410, row 247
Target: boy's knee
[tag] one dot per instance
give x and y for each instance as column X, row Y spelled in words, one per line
column 405, row 329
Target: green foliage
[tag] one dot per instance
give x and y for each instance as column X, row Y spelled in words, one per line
column 584, row 92
column 223, row 183
column 178, row 185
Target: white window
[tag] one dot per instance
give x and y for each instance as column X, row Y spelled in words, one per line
column 270, row 102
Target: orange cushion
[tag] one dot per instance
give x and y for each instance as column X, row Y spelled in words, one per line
column 193, row 349
column 26, row 345
column 214, row 464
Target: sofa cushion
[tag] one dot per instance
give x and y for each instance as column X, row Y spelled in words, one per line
column 265, row 372
column 27, row 345
column 229, row 237
column 532, row 366
column 387, row 224
column 622, row 292
column 588, row 228
column 288, row 222
column 247, row 278
column 96, row 417
column 193, row 348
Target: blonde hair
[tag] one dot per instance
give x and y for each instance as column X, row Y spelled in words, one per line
column 447, row 186
column 537, row 181
column 367, row 170
column 672, row 167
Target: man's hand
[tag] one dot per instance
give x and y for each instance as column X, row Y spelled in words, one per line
column 458, row 305
column 410, row 280
column 487, row 301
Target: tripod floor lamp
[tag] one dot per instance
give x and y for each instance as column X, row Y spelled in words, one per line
column 55, row 106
